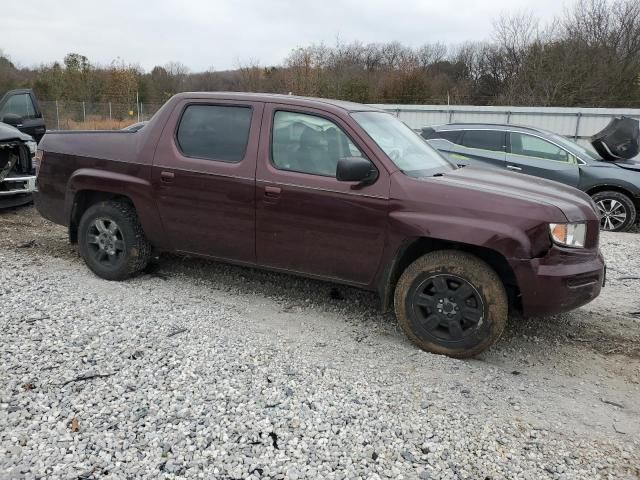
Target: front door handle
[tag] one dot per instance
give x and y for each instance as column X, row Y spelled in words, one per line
column 513, row 167
column 272, row 192
column 167, row 177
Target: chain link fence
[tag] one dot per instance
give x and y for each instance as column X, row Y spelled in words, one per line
column 63, row 115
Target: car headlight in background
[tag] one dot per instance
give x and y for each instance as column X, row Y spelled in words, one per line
column 569, row 234
column 33, row 147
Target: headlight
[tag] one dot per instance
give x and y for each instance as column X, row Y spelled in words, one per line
column 569, row 234
column 33, row 147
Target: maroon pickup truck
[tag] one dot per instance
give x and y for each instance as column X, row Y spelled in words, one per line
column 330, row 190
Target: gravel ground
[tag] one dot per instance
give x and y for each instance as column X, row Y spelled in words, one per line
column 202, row 370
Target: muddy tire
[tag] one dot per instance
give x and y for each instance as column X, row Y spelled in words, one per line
column 112, row 242
column 451, row 303
column 617, row 211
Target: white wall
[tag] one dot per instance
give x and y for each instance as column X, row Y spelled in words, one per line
column 576, row 123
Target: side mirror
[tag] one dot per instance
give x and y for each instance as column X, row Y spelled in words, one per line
column 356, row 169
column 13, row 120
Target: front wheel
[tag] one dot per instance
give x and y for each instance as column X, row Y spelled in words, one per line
column 451, row 303
column 617, row 211
column 112, row 242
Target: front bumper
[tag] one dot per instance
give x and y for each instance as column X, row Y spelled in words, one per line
column 17, row 190
column 562, row 280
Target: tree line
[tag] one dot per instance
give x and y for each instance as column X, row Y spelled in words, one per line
column 589, row 56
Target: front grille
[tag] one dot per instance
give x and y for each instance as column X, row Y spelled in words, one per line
column 24, row 165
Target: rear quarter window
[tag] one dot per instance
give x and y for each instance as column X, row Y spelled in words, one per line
column 214, row 132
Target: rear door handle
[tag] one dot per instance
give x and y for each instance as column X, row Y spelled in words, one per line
column 167, row 177
column 513, row 167
column 272, row 192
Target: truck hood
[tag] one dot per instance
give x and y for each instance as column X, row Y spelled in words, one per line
column 574, row 204
column 8, row 132
column 619, row 140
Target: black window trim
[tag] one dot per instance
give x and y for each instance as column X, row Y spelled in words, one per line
column 210, row 104
column 314, row 114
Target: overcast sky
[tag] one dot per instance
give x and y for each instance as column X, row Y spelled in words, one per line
column 221, row 34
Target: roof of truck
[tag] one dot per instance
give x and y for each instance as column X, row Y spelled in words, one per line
column 280, row 98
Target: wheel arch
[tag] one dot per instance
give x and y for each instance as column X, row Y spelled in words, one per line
column 615, row 188
column 84, row 199
column 89, row 186
column 413, row 248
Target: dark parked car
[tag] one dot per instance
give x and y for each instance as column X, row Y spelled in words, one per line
column 613, row 182
column 331, row 190
column 20, row 108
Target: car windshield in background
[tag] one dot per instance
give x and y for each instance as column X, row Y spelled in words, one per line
column 408, row 151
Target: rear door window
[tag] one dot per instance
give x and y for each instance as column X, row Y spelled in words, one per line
column 484, row 139
column 19, row 104
column 530, row 146
column 214, row 132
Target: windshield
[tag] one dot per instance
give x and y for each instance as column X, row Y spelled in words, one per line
column 406, row 149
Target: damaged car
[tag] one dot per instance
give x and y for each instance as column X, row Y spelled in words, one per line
column 610, row 174
column 17, row 169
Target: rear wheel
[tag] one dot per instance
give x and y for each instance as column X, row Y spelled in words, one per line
column 617, row 211
column 112, row 242
column 451, row 303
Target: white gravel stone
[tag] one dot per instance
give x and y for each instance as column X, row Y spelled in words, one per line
column 268, row 377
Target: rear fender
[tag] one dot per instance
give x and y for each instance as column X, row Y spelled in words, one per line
column 136, row 189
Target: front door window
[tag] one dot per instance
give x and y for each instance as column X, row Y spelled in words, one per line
column 309, row 144
column 530, row 146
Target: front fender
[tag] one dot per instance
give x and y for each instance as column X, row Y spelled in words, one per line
column 431, row 230
column 135, row 188
column 617, row 178
column 511, row 240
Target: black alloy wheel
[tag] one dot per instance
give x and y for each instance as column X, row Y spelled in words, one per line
column 446, row 308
